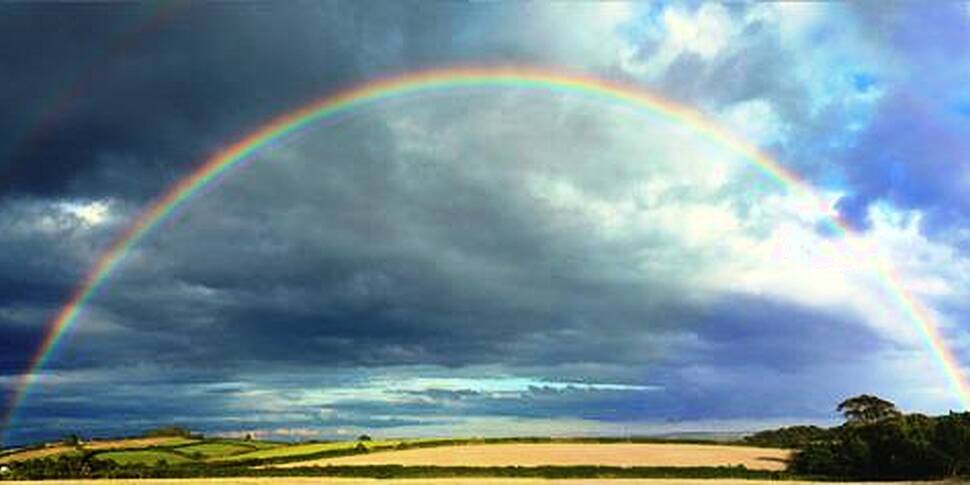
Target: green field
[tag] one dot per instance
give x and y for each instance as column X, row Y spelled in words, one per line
column 215, row 449
column 180, row 451
column 144, row 457
column 179, row 441
column 259, row 445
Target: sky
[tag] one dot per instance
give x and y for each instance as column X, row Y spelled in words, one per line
column 485, row 261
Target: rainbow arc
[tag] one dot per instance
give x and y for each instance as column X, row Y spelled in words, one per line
column 438, row 80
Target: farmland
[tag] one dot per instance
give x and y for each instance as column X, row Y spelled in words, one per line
column 570, row 454
column 507, row 461
column 210, row 450
column 144, row 457
column 151, row 450
column 303, row 449
column 530, row 457
column 55, row 449
column 768, row 455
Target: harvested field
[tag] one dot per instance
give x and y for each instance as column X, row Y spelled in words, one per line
column 138, row 443
column 567, row 454
column 434, row 481
column 36, row 453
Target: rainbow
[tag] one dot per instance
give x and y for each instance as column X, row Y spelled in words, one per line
column 58, row 105
column 452, row 79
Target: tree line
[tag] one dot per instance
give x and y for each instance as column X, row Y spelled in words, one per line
column 877, row 442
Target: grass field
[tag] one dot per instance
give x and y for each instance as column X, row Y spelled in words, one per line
column 177, row 450
column 216, row 449
column 144, row 457
column 259, row 445
column 569, row 454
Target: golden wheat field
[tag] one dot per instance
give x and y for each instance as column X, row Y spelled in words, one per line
column 567, row 454
column 436, row 481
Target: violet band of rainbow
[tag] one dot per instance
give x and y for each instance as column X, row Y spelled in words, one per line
column 437, row 80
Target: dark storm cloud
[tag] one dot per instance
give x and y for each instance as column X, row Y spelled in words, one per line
column 747, row 331
column 445, row 269
column 63, row 404
column 749, row 349
column 17, row 348
column 534, row 402
column 163, row 100
column 44, row 248
column 117, row 102
column 122, row 100
column 743, row 351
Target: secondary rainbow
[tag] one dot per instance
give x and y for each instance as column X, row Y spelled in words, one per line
column 58, row 104
column 438, row 80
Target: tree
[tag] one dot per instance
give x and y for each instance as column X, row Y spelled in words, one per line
column 363, row 437
column 789, row 437
column 867, row 409
column 952, row 438
column 169, row 431
column 72, row 439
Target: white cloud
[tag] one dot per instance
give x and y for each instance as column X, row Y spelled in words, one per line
column 501, row 385
column 89, row 213
column 597, row 43
column 404, row 386
column 63, row 218
column 705, row 32
column 756, row 121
